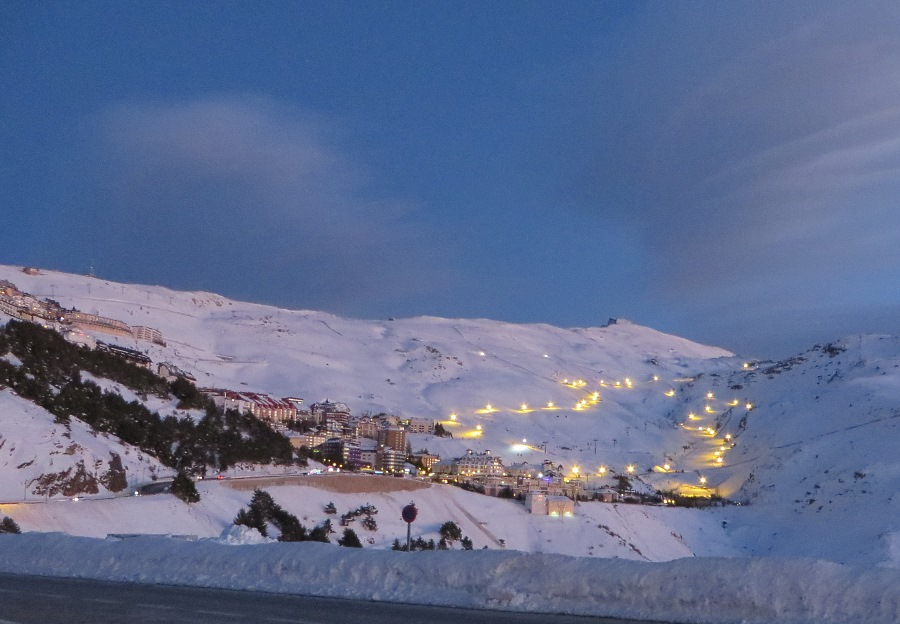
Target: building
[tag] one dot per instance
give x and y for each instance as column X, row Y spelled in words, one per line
column 262, row 406
column 297, row 402
column 309, row 440
column 97, row 323
column 135, row 357
column 393, row 437
column 426, row 459
column 524, row 470
column 481, row 464
column 148, row 334
column 368, row 457
column 471, row 465
column 418, row 425
column 365, row 427
column 320, row 411
column 541, row 504
column 170, row 372
column 389, row 460
column 76, row 336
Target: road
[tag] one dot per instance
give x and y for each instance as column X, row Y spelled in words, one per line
column 34, row 600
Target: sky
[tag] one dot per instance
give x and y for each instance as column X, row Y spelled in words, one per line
column 727, row 172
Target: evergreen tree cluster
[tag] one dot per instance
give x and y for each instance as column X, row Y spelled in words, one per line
column 366, row 511
column 8, row 525
column 350, row 539
column 420, row 543
column 183, row 487
column 263, row 511
column 450, row 533
column 50, row 376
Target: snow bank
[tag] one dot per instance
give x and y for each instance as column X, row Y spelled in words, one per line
column 686, row 590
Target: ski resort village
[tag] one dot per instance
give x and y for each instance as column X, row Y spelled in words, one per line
column 137, row 415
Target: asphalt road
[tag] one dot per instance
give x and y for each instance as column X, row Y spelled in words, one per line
column 34, row 600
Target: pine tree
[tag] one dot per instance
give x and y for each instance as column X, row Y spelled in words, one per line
column 183, row 487
column 8, row 525
column 450, row 531
column 350, row 539
column 319, row 534
column 330, row 509
column 466, row 543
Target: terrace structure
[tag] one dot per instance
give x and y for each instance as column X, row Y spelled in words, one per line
column 262, row 406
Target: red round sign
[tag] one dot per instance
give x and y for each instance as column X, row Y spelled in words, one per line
column 409, row 513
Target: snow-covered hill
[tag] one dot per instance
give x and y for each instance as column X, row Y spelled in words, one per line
column 812, row 446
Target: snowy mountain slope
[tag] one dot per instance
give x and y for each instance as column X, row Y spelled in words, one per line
column 820, row 427
column 427, row 367
column 820, row 452
column 623, row 531
column 40, row 459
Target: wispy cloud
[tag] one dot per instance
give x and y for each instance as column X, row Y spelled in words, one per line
column 765, row 170
column 243, row 190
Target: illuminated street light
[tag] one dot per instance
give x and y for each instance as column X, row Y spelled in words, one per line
column 702, row 480
column 749, row 406
column 524, row 406
column 549, row 403
column 481, row 353
column 453, row 417
column 655, row 377
column 601, row 470
column 630, row 469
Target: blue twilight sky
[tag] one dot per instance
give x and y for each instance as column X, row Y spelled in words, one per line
column 725, row 171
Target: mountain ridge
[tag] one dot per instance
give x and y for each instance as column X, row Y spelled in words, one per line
column 662, row 400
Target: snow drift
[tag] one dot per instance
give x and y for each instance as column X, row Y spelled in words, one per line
column 686, row 590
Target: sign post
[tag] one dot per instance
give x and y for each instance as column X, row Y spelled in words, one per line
column 409, row 514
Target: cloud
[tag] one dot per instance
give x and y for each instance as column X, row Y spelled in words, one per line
column 756, row 152
column 250, row 197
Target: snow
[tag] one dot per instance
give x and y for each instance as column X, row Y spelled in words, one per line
column 815, row 463
column 597, row 530
column 746, row 590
